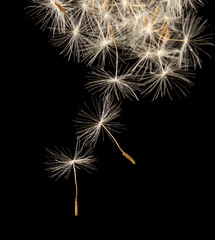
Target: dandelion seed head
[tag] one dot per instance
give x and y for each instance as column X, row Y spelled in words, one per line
column 148, row 32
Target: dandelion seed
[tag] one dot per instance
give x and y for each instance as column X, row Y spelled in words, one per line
column 166, row 78
column 52, row 11
column 73, row 42
column 193, row 28
column 89, row 121
column 61, row 162
column 92, row 122
column 100, row 48
column 107, row 83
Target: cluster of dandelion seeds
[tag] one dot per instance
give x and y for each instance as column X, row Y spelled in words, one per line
column 161, row 38
column 133, row 47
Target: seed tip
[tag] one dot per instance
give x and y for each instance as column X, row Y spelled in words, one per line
column 76, row 208
column 128, row 157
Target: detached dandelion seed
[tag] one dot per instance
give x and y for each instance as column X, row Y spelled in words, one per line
column 91, row 122
column 61, row 163
column 88, row 123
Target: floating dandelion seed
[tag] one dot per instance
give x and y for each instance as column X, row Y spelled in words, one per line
column 92, row 121
column 88, row 123
column 61, row 163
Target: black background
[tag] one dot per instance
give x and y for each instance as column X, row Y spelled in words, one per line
column 172, row 141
